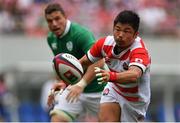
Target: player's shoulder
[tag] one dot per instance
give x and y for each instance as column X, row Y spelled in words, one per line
column 79, row 28
column 50, row 36
column 106, row 40
column 138, row 43
column 77, row 25
column 138, row 46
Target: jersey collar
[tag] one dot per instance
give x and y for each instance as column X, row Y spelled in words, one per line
column 68, row 24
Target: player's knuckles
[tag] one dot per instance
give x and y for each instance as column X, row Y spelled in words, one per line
column 98, row 74
column 71, row 100
column 68, row 98
column 74, row 99
column 49, row 103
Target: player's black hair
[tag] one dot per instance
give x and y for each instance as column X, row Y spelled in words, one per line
column 128, row 17
column 54, row 7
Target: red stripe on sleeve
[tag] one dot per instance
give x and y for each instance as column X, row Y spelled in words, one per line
column 97, row 47
column 140, row 55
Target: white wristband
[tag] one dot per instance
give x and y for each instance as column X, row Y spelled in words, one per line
column 82, row 83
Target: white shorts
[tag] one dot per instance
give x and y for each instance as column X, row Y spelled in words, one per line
column 130, row 111
column 87, row 103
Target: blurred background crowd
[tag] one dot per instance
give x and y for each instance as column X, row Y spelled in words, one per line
column 160, row 17
column 25, row 59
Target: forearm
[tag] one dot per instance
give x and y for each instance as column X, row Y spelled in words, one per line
column 126, row 77
column 130, row 76
column 78, row 88
column 90, row 74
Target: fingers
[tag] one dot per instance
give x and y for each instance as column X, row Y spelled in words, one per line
column 74, row 93
column 51, row 97
column 101, row 75
column 102, row 79
column 61, row 91
column 50, row 100
column 55, row 92
column 97, row 69
column 59, row 86
column 72, row 97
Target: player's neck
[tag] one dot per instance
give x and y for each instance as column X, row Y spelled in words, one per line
column 117, row 50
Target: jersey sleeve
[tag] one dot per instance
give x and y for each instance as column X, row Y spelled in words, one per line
column 140, row 58
column 95, row 53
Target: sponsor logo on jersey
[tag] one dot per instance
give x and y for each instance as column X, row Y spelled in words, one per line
column 125, row 66
column 106, row 91
column 54, row 45
column 138, row 60
column 69, row 45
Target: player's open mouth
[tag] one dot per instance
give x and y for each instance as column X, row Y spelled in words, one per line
column 55, row 30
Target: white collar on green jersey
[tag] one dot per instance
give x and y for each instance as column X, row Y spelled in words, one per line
column 68, row 23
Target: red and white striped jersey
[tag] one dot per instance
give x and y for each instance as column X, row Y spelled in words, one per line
column 136, row 54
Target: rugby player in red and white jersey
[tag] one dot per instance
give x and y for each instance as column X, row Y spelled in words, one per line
column 127, row 95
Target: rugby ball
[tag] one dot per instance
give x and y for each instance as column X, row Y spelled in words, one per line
column 68, row 68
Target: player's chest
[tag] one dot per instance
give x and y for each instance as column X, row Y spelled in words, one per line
column 66, row 45
column 118, row 63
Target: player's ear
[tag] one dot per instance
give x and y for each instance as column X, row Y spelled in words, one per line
column 136, row 34
column 65, row 16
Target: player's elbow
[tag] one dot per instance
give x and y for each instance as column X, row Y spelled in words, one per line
column 135, row 77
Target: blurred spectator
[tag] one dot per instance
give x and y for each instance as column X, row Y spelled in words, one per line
column 8, row 103
column 3, row 111
column 11, row 17
column 152, row 14
column 157, row 19
column 26, row 16
column 34, row 23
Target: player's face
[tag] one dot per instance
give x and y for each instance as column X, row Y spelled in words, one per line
column 56, row 22
column 124, row 35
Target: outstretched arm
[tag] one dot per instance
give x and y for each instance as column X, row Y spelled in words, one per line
column 90, row 74
column 78, row 88
column 129, row 76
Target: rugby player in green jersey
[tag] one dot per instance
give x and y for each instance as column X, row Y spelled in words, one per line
column 69, row 37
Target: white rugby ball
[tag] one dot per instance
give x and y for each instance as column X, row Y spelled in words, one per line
column 68, row 68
